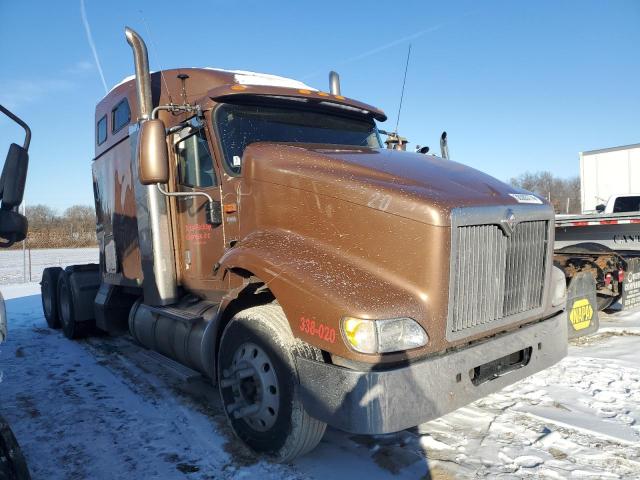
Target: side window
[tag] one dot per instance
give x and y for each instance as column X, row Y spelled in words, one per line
column 120, row 116
column 626, row 204
column 195, row 164
column 101, row 130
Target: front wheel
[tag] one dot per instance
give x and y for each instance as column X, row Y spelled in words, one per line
column 259, row 385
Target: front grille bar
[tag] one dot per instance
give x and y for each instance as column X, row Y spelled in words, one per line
column 496, row 277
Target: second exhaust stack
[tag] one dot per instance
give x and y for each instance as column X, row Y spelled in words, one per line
column 334, row 83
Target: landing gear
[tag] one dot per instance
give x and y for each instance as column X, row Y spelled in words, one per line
column 258, row 384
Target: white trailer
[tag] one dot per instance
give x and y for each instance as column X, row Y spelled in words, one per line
column 608, row 172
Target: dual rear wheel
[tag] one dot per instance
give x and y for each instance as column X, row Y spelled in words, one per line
column 58, row 303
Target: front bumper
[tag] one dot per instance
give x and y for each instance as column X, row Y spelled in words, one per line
column 373, row 402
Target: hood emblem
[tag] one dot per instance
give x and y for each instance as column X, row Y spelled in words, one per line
column 508, row 223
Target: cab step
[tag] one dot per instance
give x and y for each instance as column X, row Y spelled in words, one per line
column 178, row 370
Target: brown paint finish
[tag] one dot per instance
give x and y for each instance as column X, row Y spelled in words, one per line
column 331, row 230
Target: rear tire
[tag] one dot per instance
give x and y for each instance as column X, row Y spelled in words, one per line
column 264, row 407
column 49, row 294
column 66, row 310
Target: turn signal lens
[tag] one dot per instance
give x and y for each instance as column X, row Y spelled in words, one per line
column 361, row 334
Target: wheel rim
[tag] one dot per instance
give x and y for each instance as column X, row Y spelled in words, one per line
column 254, row 386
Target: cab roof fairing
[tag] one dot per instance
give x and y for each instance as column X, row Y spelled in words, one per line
column 226, row 92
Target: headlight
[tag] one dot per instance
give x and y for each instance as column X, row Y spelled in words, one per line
column 383, row 336
column 558, row 287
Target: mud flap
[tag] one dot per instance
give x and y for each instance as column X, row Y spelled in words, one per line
column 582, row 306
column 631, row 285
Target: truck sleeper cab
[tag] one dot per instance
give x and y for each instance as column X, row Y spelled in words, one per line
column 259, row 234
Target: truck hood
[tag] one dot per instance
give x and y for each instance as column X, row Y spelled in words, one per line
column 421, row 187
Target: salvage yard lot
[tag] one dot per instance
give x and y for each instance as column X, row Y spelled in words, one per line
column 101, row 408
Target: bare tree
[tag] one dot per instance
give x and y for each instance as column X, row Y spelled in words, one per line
column 80, row 222
column 75, row 228
column 40, row 216
column 564, row 193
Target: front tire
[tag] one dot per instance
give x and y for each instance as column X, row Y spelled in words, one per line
column 259, row 385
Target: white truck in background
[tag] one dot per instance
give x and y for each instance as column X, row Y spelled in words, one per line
column 608, row 174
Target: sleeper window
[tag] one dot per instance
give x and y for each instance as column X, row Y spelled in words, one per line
column 101, row 130
column 195, row 164
column 120, row 116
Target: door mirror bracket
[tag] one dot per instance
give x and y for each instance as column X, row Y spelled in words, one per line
column 213, row 207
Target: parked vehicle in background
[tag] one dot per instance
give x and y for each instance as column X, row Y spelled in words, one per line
column 254, row 230
column 608, row 173
column 620, row 204
column 13, row 228
column 605, row 240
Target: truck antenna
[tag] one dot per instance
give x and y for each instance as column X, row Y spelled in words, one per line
column 404, row 81
column 153, row 46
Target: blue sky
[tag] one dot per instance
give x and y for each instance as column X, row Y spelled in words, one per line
column 518, row 86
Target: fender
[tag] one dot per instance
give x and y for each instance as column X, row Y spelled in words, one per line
column 313, row 281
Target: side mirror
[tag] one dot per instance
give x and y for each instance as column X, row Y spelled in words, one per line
column 153, row 156
column 600, row 208
column 14, row 176
column 214, row 213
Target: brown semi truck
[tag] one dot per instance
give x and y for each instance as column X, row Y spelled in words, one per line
column 255, row 230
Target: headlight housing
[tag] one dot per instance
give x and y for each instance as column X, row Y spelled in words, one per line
column 383, row 336
column 558, row 287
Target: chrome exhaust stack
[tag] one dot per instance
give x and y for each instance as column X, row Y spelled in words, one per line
column 154, row 228
column 143, row 77
column 334, row 83
column 444, row 146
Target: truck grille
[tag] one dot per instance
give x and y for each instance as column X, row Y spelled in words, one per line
column 496, row 276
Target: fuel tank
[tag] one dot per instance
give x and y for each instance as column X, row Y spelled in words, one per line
column 175, row 332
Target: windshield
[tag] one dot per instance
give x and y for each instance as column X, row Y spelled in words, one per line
column 241, row 125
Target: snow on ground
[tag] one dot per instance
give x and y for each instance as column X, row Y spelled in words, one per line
column 17, row 265
column 101, row 408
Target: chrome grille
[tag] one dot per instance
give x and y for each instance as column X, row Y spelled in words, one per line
column 496, row 276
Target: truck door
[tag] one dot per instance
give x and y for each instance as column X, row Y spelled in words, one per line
column 201, row 244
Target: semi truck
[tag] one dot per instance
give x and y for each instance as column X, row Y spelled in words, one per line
column 255, row 230
column 13, row 228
